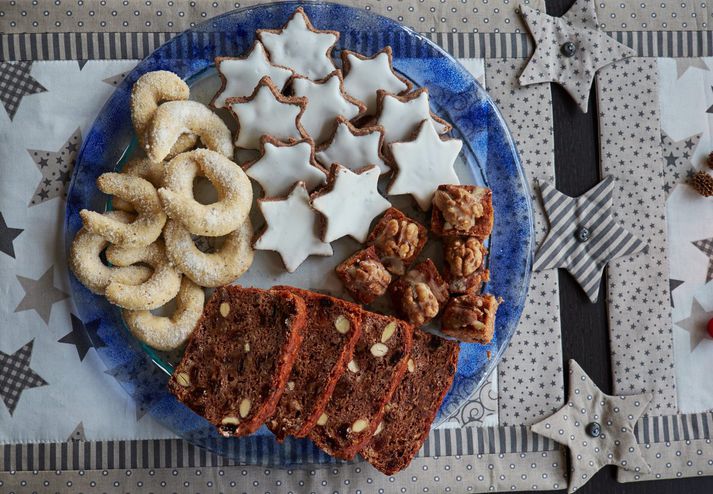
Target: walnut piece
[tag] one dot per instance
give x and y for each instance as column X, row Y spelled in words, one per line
column 465, row 315
column 420, row 304
column 459, row 207
column 464, row 256
column 399, row 239
column 369, row 276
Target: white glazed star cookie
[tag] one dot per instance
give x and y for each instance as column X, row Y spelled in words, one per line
column 266, row 112
column 354, row 148
column 240, row 75
column 401, row 115
column 301, row 47
column 350, row 202
column 283, row 164
column 326, row 100
column 291, row 228
column 423, row 164
column 364, row 76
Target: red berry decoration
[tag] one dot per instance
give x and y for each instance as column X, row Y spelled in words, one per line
column 710, row 328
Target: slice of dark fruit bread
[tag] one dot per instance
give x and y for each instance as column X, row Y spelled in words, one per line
column 332, row 330
column 357, row 404
column 237, row 361
column 408, row 416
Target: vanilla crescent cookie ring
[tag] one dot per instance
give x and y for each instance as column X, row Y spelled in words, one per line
column 178, row 117
column 147, row 94
column 88, row 267
column 144, row 168
column 235, row 193
column 226, row 265
column 159, row 289
column 138, row 192
column 168, row 333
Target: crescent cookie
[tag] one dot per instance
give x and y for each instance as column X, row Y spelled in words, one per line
column 158, row 290
column 212, row 220
column 144, row 168
column 168, row 333
column 175, row 118
column 138, row 192
column 148, row 92
column 218, row 268
column 87, row 266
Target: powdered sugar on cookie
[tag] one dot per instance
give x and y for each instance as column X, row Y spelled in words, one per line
column 350, row 203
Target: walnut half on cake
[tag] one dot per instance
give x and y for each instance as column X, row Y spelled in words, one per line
column 462, row 210
column 470, row 318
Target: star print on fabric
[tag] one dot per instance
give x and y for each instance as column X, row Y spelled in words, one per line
column 423, row 164
column 673, row 284
column 147, row 382
column 83, row 336
column 710, row 109
column 77, row 434
column 7, row 236
column 300, row 46
column 577, row 30
column 241, row 75
column 583, row 235
column 16, row 376
column 597, row 428
column 56, row 168
column 696, row 324
column 350, row 202
column 706, row 246
column 678, row 167
column 16, row 83
column 683, row 64
column 292, row 228
column 115, row 80
column 40, row 294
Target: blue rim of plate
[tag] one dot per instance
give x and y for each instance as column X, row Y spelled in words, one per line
column 455, row 95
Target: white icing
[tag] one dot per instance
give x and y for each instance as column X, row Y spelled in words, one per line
column 326, row 103
column 423, row 164
column 300, row 49
column 292, row 229
column 401, row 119
column 280, row 167
column 265, row 115
column 365, row 77
column 353, row 151
column 351, row 204
column 243, row 74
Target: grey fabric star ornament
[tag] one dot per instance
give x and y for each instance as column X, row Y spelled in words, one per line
column 570, row 49
column 583, row 235
column 597, row 428
column 695, row 324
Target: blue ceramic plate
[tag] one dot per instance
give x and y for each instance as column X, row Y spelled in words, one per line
column 488, row 156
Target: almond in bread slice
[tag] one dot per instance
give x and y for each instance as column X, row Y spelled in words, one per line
column 237, row 361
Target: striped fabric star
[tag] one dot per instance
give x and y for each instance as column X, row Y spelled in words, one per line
column 583, row 235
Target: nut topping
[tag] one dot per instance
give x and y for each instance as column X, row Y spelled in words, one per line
column 459, row 207
column 322, row 420
column 379, row 428
column 360, row 425
column 247, row 347
column 291, row 385
column 353, row 366
column 398, row 239
column 230, row 421
column 420, row 304
column 379, row 349
column 388, row 332
column 463, row 255
column 369, row 276
column 183, row 379
column 245, row 407
column 224, row 309
column 342, row 324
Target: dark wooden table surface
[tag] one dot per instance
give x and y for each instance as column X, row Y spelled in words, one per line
column 585, row 334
